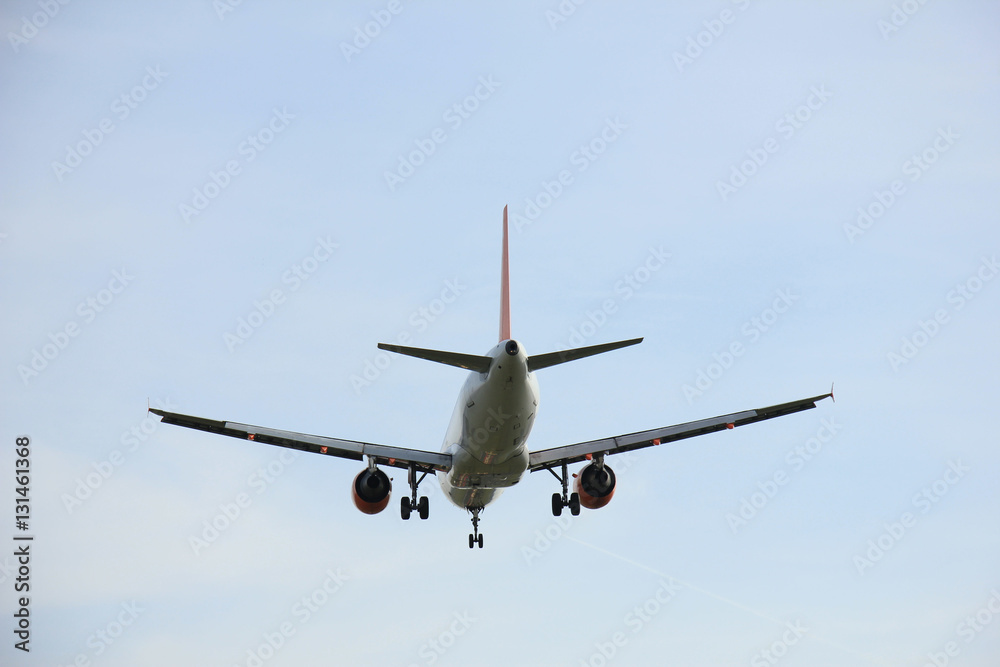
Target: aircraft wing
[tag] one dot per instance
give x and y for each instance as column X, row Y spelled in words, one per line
column 550, row 458
column 398, row 457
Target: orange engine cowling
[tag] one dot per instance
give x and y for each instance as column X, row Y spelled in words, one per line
column 595, row 485
column 371, row 491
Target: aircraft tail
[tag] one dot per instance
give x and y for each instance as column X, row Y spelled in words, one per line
column 504, row 285
column 538, row 361
column 472, row 362
column 481, row 364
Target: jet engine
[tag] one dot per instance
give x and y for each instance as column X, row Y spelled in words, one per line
column 371, row 490
column 596, row 485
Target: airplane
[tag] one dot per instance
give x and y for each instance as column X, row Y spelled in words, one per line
column 485, row 446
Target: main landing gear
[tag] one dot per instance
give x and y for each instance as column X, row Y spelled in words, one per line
column 572, row 501
column 474, row 536
column 406, row 505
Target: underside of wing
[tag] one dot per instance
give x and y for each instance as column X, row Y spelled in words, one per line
column 398, row 457
column 548, row 458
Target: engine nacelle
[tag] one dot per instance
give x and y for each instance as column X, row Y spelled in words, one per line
column 595, row 485
column 371, row 491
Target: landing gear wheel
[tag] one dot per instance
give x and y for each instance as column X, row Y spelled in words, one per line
column 561, row 500
column 574, row 504
column 480, row 540
column 407, row 505
column 472, row 540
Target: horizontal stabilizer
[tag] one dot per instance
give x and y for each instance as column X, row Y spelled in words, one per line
column 471, row 362
column 537, row 361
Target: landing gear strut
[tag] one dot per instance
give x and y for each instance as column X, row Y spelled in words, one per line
column 474, row 536
column 572, row 501
column 406, row 505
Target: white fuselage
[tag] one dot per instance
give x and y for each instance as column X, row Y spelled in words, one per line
column 489, row 429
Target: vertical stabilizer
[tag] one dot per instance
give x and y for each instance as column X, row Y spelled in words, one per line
column 504, row 286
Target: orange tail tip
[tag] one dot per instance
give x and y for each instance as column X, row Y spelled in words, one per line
column 504, row 285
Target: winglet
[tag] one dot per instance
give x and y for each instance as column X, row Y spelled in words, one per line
column 504, row 285
column 831, row 393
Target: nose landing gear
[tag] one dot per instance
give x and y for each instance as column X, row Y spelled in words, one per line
column 475, row 537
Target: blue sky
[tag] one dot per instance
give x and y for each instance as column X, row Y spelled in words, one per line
column 821, row 177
